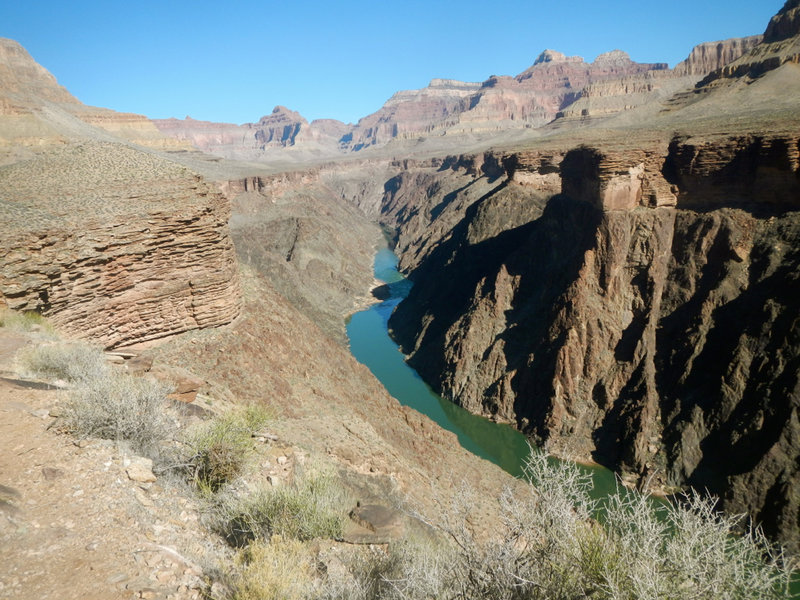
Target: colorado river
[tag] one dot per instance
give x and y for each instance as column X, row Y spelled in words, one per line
column 371, row 345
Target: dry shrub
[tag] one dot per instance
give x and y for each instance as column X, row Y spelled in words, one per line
column 277, row 569
column 120, row 407
column 220, row 448
column 312, row 507
column 72, row 362
column 549, row 548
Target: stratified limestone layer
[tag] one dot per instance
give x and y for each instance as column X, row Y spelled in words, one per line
column 115, row 245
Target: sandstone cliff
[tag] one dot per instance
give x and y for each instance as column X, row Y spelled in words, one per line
column 112, row 242
column 710, row 56
column 115, row 245
column 780, row 46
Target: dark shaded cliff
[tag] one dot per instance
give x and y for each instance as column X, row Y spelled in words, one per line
column 638, row 307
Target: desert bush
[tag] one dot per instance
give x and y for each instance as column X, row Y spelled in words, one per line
column 277, row 569
column 309, row 508
column 70, row 361
column 411, row 568
column 219, row 449
column 120, row 407
column 549, row 547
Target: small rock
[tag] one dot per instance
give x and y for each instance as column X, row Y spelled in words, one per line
column 56, row 411
column 265, row 436
column 41, row 413
column 92, row 546
column 142, row 498
column 140, row 364
column 282, row 460
column 117, row 578
column 140, row 469
column 52, row 473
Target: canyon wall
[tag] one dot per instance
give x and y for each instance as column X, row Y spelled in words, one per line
column 449, row 113
column 639, row 307
column 315, row 247
column 115, row 245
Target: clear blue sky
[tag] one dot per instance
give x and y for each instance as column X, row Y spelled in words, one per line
column 234, row 61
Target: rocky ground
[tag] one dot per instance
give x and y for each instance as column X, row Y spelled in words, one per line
column 78, row 519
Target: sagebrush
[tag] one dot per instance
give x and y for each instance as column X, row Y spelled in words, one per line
column 120, row 407
column 72, row 362
column 548, row 547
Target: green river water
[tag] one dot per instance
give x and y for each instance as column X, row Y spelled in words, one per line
column 371, row 345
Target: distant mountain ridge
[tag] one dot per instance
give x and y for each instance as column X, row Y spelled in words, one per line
column 446, row 107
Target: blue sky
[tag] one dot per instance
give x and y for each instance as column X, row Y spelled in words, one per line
column 234, row 61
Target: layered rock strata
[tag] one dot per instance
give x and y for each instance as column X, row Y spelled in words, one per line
column 115, row 245
column 554, row 86
column 641, row 310
column 315, row 247
column 280, row 130
column 35, row 111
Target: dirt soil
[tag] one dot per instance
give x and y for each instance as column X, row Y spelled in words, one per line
column 72, row 522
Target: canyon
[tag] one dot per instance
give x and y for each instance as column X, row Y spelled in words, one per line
column 630, row 299
column 604, row 255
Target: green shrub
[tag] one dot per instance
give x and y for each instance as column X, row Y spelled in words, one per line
column 120, row 407
column 70, row 361
column 220, row 447
column 308, row 509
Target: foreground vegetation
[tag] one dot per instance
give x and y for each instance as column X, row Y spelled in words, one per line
column 547, row 545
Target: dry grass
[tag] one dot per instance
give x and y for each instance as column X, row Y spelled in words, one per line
column 25, row 321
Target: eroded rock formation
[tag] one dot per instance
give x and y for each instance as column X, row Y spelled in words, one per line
column 115, row 245
column 554, row 86
column 647, row 315
column 280, row 130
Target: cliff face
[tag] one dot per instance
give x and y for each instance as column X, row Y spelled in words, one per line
column 710, row 56
column 554, row 86
column 35, row 111
column 781, row 45
column 315, row 248
column 647, row 315
column 115, row 245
